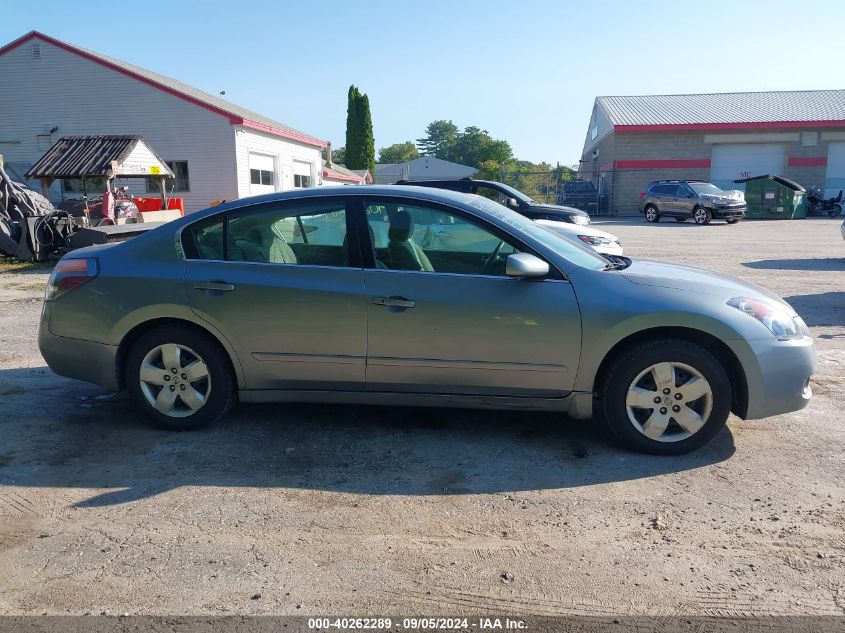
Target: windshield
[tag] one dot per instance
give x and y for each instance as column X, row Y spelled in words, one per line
column 513, row 193
column 578, row 255
column 705, row 187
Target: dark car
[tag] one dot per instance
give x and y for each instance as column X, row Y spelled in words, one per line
column 508, row 196
column 684, row 199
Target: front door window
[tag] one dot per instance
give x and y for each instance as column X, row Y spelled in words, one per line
column 420, row 238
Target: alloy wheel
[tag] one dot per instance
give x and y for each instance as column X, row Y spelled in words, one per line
column 174, row 380
column 669, row 402
column 650, row 214
column 700, row 216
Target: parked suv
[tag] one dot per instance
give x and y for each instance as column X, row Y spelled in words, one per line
column 684, row 199
column 508, row 196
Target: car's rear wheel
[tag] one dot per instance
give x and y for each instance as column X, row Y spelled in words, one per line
column 666, row 397
column 701, row 215
column 180, row 377
column 651, row 214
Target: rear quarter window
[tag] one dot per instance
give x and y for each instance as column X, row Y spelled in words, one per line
column 204, row 239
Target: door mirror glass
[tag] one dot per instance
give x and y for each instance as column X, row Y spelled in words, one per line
column 525, row 265
column 690, row 195
column 513, row 203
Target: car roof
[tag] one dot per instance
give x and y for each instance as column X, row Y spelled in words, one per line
column 673, row 182
column 457, row 181
column 421, row 193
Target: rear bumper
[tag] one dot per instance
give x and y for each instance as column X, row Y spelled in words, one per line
column 778, row 376
column 75, row 358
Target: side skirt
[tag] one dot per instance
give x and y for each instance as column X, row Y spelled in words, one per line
column 574, row 404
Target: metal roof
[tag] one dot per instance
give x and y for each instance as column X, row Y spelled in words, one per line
column 339, row 172
column 725, row 108
column 90, row 157
column 238, row 115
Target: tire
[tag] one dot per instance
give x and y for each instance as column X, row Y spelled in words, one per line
column 635, row 370
column 701, row 215
column 651, row 214
column 733, row 220
column 207, row 398
column 836, row 210
column 42, row 205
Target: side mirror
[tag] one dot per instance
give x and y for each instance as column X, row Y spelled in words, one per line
column 513, row 203
column 689, row 195
column 525, row 265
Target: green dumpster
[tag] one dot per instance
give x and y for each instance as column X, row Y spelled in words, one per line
column 774, row 198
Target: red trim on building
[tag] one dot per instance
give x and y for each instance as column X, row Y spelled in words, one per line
column 302, row 138
column 684, row 163
column 233, row 118
column 807, row 161
column 755, row 125
column 333, row 175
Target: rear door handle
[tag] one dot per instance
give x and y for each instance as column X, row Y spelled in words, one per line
column 396, row 302
column 219, row 286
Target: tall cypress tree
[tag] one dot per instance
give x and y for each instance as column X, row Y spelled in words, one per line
column 353, row 135
column 368, row 143
column 360, row 142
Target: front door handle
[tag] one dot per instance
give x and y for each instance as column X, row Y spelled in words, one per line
column 395, row 302
column 219, row 286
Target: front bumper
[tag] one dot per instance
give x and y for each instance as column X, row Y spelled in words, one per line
column 777, row 375
column 75, row 358
column 728, row 212
column 614, row 248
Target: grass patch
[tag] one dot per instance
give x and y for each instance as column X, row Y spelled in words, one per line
column 9, row 265
column 32, row 286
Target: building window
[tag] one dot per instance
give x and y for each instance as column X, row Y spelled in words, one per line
column 182, row 182
column 594, row 132
column 92, row 186
column 809, row 139
column 301, row 181
column 261, row 177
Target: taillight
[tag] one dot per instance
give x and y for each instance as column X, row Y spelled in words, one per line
column 69, row 274
column 642, row 195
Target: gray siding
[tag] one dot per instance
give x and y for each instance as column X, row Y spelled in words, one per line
column 81, row 97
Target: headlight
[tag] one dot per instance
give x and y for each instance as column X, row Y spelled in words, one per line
column 594, row 241
column 775, row 318
column 580, row 219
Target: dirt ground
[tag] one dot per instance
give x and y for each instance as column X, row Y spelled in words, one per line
column 294, row 509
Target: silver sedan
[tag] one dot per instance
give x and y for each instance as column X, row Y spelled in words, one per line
column 418, row 297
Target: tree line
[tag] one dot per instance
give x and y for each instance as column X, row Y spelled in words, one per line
column 472, row 146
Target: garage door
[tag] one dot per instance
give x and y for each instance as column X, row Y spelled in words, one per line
column 262, row 174
column 834, row 180
column 742, row 160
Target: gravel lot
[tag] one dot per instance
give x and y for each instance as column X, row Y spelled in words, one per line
column 294, row 509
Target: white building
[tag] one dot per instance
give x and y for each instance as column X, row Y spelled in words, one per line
column 218, row 150
column 423, row 168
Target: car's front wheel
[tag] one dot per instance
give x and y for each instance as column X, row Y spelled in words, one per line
column 700, row 215
column 667, row 396
column 180, row 377
column 651, row 214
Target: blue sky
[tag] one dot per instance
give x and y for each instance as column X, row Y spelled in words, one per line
column 527, row 71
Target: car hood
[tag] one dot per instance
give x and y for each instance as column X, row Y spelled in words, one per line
column 573, row 230
column 725, row 200
column 678, row 277
column 552, row 209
